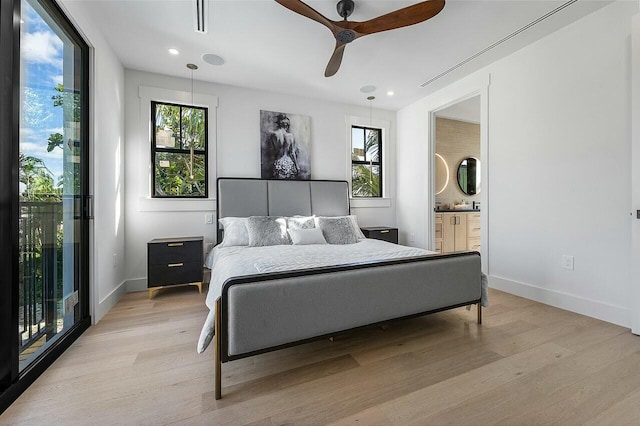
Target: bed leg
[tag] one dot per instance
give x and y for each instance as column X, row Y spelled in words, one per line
column 218, row 348
column 479, row 313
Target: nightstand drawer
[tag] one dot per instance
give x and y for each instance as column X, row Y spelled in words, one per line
column 174, row 252
column 174, row 273
column 381, row 233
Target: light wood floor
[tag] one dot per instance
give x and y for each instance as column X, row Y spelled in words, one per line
column 527, row 364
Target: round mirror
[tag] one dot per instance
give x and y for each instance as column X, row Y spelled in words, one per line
column 469, row 176
column 442, row 174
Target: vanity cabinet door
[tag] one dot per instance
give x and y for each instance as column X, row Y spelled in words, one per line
column 454, row 232
column 461, row 232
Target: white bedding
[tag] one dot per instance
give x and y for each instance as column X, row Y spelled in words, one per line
column 227, row 262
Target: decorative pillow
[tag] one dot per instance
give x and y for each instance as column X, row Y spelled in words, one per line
column 235, row 231
column 307, row 236
column 337, row 230
column 301, row 222
column 356, row 228
column 267, row 231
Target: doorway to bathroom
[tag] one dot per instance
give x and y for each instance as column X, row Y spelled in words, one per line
column 458, row 173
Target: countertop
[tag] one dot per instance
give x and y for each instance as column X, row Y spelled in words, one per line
column 456, row 210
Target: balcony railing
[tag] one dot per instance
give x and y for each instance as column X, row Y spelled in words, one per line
column 40, row 271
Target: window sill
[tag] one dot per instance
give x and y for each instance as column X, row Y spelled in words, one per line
column 370, row 202
column 148, row 204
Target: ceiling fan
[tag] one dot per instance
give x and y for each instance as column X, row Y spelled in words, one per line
column 347, row 31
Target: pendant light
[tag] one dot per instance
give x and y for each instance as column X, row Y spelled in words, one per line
column 192, row 67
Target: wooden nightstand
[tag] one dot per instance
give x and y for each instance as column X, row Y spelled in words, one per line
column 383, row 233
column 174, row 261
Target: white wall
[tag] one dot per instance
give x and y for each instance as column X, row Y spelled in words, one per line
column 238, row 154
column 559, row 141
column 107, row 159
column 635, row 177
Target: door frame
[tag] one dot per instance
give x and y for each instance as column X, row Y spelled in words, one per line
column 634, row 276
column 9, row 149
column 13, row 381
column 474, row 85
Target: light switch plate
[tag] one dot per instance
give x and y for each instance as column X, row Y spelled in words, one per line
column 567, row 262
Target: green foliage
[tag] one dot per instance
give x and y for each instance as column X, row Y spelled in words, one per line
column 366, row 180
column 175, row 180
column 38, row 180
column 179, row 128
column 55, row 141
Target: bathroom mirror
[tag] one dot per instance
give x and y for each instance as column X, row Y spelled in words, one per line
column 469, row 176
column 442, row 174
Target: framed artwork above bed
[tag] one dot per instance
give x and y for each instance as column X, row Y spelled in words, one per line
column 285, row 145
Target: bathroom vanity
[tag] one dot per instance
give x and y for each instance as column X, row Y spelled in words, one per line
column 457, row 230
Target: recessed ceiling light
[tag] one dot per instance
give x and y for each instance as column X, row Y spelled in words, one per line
column 390, row 93
column 212, row 59
column 368, row 89
column 174, row 51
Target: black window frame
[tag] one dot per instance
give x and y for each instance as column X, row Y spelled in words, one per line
column 155, row 149
column 366, row 162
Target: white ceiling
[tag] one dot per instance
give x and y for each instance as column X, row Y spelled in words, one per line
column 467, row 110
column 266, row 46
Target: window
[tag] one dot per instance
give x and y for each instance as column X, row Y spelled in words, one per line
column 366, row 162
column 179, row 151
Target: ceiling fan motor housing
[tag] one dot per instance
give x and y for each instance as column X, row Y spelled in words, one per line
column 346, row 36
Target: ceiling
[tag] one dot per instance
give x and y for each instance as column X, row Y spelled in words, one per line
column 266, row 46
column 467, row 110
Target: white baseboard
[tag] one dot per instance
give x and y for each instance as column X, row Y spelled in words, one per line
column 138, row 284
column 618, row 315
column 108, row 302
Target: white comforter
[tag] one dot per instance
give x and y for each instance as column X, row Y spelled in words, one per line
column 227, row 262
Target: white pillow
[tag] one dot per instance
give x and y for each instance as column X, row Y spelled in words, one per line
column 307, row 236
column 356, row 228
column 235, row 231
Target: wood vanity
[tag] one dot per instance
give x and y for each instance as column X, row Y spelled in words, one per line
column 457, row 230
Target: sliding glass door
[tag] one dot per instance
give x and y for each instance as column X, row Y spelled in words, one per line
column 49, row 188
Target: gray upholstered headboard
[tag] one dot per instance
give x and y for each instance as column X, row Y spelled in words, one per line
column 244, row 197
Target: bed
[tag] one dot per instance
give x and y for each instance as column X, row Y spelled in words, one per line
column 264, row 298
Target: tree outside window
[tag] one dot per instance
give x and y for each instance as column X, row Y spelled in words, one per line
column 366, row 162
column 179, row 151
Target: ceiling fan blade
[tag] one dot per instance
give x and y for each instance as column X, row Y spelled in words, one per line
column 306, row 10
column 335, row 61
column 404, row 17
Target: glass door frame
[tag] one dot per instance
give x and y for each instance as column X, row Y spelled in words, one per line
column 13, row 382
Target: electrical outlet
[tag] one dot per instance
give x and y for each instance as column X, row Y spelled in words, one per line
column 115, row 260
column 208, row 219
column 567, row 262
column 412, row 238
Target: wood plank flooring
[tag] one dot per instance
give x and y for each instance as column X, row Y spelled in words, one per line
column 526, row 364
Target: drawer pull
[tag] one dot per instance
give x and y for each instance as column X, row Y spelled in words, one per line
column 175, row 265
column 175, row 244
column 476, row 229
column 384, row 232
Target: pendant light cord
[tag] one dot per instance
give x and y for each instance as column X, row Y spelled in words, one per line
column 192, row 67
